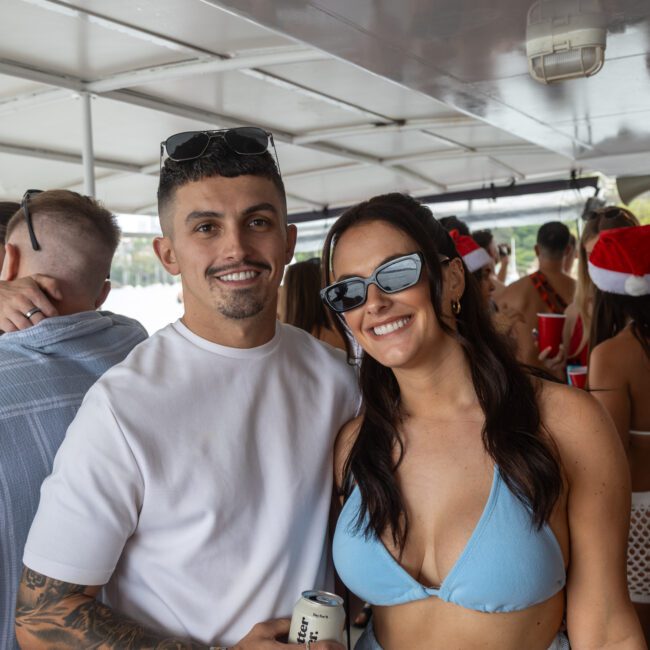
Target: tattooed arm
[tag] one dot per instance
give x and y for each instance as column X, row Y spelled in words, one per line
column 55, row 614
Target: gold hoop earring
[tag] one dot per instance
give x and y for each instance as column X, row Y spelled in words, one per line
column 455, row 307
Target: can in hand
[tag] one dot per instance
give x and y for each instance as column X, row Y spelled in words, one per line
column 317, row 616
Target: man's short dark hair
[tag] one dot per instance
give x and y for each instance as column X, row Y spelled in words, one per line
column 219, row 160
column 454, row 223
column 483, row 237
column 553, row 238
column 7, row 210
column 71, row 210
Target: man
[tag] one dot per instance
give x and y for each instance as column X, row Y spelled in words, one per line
column 549, row 289
column 193, row 487
column 46, row 370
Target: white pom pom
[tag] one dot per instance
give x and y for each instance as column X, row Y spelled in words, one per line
column 637, row 285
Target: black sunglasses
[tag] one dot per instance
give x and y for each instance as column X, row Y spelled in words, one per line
column 390, row 277
column 244, row 140
column 29, row 194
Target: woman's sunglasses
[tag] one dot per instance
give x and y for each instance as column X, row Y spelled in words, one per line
column 244, row 140
column 391, row 277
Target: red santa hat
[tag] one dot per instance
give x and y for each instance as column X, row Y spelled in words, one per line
column 473, row 255
column 620, row 261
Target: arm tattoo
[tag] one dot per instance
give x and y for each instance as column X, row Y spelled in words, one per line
column 58, row 614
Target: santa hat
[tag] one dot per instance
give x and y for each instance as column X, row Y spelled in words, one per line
column 620, row 261
column 473, row 255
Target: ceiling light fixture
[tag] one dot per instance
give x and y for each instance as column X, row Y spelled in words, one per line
column 565, row 39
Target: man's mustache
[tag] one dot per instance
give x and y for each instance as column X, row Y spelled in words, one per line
column 220, row 270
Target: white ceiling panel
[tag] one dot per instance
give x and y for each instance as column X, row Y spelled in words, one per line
column 65, row 43
column 189, row 21
column 20, row 173
column 352, row 84
column 254, row 100
column 345, row 185
column 363, row 97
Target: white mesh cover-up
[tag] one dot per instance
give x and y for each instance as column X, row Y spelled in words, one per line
column 638, row 549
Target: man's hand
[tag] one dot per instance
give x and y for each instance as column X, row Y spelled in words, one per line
column 20, row 297
column 265, row 636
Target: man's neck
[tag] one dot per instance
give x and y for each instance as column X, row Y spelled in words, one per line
column 551, row 267
column 245, row 333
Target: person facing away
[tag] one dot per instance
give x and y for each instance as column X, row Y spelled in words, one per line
column 547, row 290
column 301, row 304
column 190, row 498
column 46, row 370
column 481, row 503
column 577, row 326
column 619, row 377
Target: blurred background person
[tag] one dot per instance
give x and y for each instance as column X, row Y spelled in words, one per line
column 454, row 223
column 478, row 262
column 571, row 254
column 300, row 304
column 578, row 314
column 547, row 290
column 7, row 210
column 500, row 254
column 619, row 377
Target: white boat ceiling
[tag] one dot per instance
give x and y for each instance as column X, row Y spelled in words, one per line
column 363, row 96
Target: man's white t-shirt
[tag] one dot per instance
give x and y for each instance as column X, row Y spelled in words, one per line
column 195, row 482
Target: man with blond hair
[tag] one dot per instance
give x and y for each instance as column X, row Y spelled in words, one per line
column 46, row 370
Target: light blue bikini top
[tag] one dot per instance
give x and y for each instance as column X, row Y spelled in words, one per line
column 508, row 564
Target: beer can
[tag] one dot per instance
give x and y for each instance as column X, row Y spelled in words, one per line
column 317, row 616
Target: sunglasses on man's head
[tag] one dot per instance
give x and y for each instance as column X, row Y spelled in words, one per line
column 391, row 277
column 243, row 140
column 29, row 194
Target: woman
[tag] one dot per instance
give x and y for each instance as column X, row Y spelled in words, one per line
column 469, row 485
column 619, row 377
column 478, row 262
column 299, row 304
column 578, row 314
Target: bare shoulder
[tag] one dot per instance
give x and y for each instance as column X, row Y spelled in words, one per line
column 613, row 361
column 344, row 443
column 580, row 426
column 514, row 295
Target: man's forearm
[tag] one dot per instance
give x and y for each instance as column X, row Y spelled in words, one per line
column 51, row 613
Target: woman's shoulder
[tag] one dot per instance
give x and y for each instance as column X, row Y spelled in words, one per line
column 621, row 346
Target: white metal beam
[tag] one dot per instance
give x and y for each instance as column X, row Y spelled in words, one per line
column 87, row 151
column 66, row 157
column 318, row 135
column 204, row 66
column 67, row 9
column 28, row 100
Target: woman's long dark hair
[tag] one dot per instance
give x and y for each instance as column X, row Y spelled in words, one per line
column 512, row 433
column 304, row 308
column 612, row 312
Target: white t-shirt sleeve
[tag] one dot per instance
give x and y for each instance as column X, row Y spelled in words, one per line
column 90, row 503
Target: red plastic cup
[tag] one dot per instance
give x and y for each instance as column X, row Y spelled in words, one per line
column 549, row 328
column 577, row 376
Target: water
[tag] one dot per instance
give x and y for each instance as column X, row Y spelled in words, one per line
column 154, row 306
